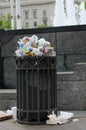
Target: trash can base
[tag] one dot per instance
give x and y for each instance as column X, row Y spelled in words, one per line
column 35, row 118
column 31, row 123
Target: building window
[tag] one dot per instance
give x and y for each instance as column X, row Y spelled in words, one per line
column 45, row 17
column 26, row 15
column 45, row 13
column 35, row 24
column 27, row 24
column 35, row 14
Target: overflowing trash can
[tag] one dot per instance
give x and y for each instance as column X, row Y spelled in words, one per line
column 36, row 88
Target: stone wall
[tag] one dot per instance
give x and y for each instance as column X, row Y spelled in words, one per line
column 71, row 88
column 71, row 49
column 7, row 99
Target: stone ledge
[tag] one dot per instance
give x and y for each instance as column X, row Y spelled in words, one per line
column 66, row 76
column 9, row 94
column 7, row 91
column 7, row 98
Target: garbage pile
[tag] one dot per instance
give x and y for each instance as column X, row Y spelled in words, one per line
column 32, row 46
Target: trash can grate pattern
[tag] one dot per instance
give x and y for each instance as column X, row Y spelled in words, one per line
column 36, row 88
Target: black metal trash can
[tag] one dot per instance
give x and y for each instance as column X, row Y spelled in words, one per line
column 36, row 88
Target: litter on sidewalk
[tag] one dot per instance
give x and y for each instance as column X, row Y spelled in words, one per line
column 9, row 114
column 64, row 117
column 4, row 116
column 13, row 111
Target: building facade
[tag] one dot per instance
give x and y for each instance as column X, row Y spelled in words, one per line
column 34, row 13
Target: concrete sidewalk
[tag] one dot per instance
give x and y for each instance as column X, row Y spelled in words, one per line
column 77, row 125
column 9, row 125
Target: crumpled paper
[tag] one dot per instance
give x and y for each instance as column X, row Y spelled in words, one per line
column 64, row 117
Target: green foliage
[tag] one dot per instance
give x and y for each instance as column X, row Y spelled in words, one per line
column 85, row 5
column 5, row 22
column 1, row 23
